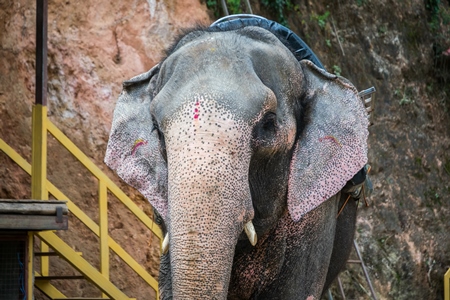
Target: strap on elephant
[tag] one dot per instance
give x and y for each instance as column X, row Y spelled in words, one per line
column 360, row 186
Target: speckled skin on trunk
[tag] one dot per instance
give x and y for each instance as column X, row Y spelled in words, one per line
column 231, row 128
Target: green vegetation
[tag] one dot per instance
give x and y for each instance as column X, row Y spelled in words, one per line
column 212, row 5
column 433, row 197
column 404, row 96
column 321, row 19
column 279, row 7
column 382, row 29
column 439, row 15
column 418, row 161
column 337, row 70
column 234, row 7
column 361, row 2
column 433, row 7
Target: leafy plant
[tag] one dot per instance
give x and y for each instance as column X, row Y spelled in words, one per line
column 382, row 29
column 433, row 6
column 361, row 2
column 337, row 70
column 439, row 15
column 404, row 99
column 432, row 194
column 321, row 19
column 213, row 5
column 328, row 42
column 234, row 7
column 279, row 6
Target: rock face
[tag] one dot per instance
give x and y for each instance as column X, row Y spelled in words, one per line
column 397, row 46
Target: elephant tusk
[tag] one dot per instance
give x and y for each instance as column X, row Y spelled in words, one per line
column 165, row 244
column 251, row 233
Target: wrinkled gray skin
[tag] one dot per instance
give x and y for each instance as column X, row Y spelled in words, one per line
column 230, row 111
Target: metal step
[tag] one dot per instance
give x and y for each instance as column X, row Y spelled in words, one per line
column 62, row 277
column 45, row 254
column 86, row 298
column 81, row 298
column 51, row 253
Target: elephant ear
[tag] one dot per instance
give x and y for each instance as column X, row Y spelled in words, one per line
column 332, row 147
column 133, row 146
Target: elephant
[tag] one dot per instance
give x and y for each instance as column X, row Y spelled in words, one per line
column 247, row 154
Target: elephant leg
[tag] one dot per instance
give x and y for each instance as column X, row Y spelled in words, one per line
column 343, row 240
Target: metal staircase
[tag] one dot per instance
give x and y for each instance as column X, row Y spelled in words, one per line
column 51, row 243
column 41, row 188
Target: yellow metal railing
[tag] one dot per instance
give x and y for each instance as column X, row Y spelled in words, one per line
column 40, row 189
column 447, row 285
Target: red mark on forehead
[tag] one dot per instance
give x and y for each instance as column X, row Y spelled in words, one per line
column 196, row 110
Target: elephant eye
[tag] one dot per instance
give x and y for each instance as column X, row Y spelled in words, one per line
column 265, row 131
column 269, row 122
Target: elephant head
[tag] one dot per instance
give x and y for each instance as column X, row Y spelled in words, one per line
column 231, row 131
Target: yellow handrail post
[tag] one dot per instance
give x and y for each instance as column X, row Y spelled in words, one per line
column 30, row 269
column 103, row 226
column 39, row 167
column 39, row 153
column 39, row 142
column 447, row 285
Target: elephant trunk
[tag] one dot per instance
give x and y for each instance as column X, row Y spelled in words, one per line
column 209, row 203
column 203, row 233
column 201, row 263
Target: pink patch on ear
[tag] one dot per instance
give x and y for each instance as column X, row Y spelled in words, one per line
column 330, row 138
column 137, row 144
